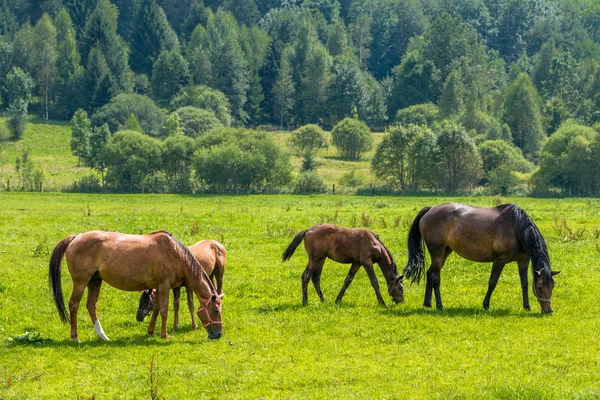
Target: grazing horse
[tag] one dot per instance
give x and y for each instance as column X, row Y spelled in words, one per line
column 498, row 235
column 212, row 257
column 133, row 263
column 347, row 246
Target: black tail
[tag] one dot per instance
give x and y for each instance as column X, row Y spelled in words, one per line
column 531, row 239
column 416, row 256
column 54, row 276
column 287, row 254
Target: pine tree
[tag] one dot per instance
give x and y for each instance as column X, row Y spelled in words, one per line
column 150, row 35
column 169, row 75
column 283, row 90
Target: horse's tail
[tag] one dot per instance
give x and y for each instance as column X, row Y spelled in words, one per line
column 531, row 239
column 287, row 254
column 54, row 276
column 416, row 255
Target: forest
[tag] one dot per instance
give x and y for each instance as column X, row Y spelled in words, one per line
column 180, row 95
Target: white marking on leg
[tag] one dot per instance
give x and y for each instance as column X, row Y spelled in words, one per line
column 99, row 331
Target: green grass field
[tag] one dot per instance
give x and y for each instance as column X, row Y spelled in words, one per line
column 272, row 346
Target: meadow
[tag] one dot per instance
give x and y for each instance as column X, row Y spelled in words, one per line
column 272, row 346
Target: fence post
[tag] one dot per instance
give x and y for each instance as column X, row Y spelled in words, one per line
column 40, row 186
column 371, row 188
column 333, row 188
column 8, row 185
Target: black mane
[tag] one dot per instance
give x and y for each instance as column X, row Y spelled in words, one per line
column 531, row 239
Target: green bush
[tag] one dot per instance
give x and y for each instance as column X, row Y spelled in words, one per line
column 352, row 138
column 195, row 121
column 121, row 107
column 309, row 182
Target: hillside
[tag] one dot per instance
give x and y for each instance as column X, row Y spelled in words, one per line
column 48, row 146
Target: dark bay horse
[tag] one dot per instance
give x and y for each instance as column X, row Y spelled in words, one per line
column 498, row 235
column 354, row 246
column 133, row 263
column 212, row 256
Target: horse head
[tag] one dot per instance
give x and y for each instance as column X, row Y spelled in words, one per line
column 397, row 289
column 543, row 283
column 146, row 304
column 210, row 315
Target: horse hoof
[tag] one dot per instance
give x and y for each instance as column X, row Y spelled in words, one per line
column 150, row 333
column 427, row 305
column 527, row 308
column 486, row 306
column 76, row 339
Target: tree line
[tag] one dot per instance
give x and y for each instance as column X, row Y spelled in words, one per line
column 511, row 85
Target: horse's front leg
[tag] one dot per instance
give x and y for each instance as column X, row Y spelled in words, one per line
column 371, row 273
column 305, row 280
column 524, row 285
column 92, row 305
column 315, row 276
column 190, row 303
column 353, row 269
column 162, row 297
column 497, row 268
column 176, row 300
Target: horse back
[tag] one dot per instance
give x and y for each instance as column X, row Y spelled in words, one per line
column 127, row 262
column 210, row 254
column 344, row 245
column 475, row 233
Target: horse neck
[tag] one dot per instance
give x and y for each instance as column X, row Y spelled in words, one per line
column 387, row 269
column 202, row 286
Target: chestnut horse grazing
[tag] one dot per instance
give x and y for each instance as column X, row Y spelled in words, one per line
column 133, row 263
column 347, row 246
column 498, row 235
column 212, row 257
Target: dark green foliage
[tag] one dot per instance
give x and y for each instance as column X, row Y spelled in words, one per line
column 501, row 163
column 177, row 157
column 352, row 138
column 201, row 96
column 8, row 20
column 19, row 86
column 116, row 113
column 414, row 83
column 460, row 162
column 346, row 91
column 523, row 116
column 238, row 160
column 245, row 11
column 98, row 148
column 568, row 160
column 169, row 75
column 151, row 34
column 307, row 139
column 81, row 131
column 395, row 160
column 131, row 159
column 6, row 53
column 195, row 122
column 309, row 182
column 421, row 114
column 101, row 33
column 80, row 10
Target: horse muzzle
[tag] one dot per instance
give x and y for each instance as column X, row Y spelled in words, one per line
column 214, row 332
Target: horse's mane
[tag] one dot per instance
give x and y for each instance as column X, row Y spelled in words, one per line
column 394, row 267
column 188, row 258
column 531, row 239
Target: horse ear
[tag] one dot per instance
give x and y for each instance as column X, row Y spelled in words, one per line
column 400, row 277
column 555, row 273
column 538, row 273
column 222, row 295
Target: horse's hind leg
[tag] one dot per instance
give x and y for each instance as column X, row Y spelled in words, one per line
column 190, row 302
column 371, row 273
column 524, row 285
column 78, row 289
column 353, row 269
column 497, row 268
column 315, row 276
column 176, row 301
column 305, row 280
column 162, row 297
column 92, row 306
column 438, row 258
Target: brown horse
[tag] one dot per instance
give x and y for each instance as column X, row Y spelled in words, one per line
column 498, row 235
column 212, row 257
column 347, row 246
column 133, row 263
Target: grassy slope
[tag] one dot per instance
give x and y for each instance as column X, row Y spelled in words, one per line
column 272, row 346
column 48, row 146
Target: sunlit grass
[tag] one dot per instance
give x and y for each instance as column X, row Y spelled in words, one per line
column 274, row 347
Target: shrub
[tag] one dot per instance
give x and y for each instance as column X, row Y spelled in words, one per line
column 352, row 138
column 121, row 107
column 195, row 121
column 308, row 138
column 309, row 182
column 420, row 114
